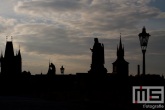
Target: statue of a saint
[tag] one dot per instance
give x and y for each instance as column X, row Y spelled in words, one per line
column 97, row 65
column 51, row 70
column 97, row 52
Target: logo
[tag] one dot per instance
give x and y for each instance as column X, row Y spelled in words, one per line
column 148, row 94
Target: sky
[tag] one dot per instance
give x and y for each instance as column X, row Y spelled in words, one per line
column 63, row 31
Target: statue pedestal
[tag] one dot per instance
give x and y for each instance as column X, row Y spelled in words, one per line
column 97, row 66
column 97, row 69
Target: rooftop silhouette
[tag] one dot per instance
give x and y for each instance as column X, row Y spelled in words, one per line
column 95, row 89
column 11, row 64
column 120, row 66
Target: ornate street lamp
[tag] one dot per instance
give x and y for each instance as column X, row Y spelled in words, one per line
column 144, row 37
column 62, row 69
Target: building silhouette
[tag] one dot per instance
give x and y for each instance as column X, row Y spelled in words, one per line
column 120, row 66
column 74, row 92
column 98, row 61
column 11, row 64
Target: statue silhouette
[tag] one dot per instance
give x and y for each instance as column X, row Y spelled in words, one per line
column 97, row 65
column 51, row 70
column 74, row 92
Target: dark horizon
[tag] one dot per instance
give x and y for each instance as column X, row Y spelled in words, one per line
column 62, row 32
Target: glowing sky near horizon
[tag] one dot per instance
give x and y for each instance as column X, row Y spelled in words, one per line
column 63, row 32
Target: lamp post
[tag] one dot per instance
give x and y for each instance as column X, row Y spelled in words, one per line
column 144, row 37
column 62, row 69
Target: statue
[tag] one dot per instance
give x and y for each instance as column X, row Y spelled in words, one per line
column 97, row 65
column 51, row 70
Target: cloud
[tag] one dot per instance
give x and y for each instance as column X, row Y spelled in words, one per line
column 6, row 23
column 92, row 15
column 104, row 18
column 49, row 42
column 156, row 42
column 6, row 27
column 66, row 28
column 48, row 39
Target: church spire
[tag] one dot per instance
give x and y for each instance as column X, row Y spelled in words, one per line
column 120, row 66
column 19, row 52
column 120, row 49
column 120, row 44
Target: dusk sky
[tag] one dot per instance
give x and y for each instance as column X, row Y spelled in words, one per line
column 63, row 32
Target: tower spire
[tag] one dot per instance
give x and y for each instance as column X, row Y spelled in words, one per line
column 19, row 49
column 120, row 44
column 19, row 52
column 120, row 49
column 120, row 66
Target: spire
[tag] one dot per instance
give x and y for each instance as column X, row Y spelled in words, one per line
column 117, row 50
column 123, row 47
column 19, row 53
column 9, row 51
column 120, row 49
column 19, row 49
column 120, row 44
